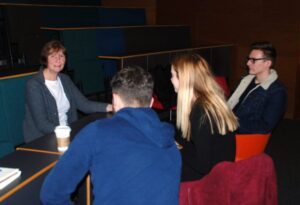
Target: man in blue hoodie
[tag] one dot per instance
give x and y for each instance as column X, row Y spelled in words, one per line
column 132, row 157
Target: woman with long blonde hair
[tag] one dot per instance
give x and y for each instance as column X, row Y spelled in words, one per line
column 203, row 117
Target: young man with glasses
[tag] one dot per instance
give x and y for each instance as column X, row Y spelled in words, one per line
column 260, row 99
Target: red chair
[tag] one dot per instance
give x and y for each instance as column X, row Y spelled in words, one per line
column 247, row 182
column 221, row 80
column 159, row 106
column 248, row 145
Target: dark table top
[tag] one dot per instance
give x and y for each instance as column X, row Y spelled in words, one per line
column 35, row 159
column 31, row 164
column 48, row 143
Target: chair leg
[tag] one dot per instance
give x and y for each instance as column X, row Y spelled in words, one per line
column 170, row 115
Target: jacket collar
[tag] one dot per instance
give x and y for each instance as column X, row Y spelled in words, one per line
column 41, row 76
column 234, row 99
column 266, row 84
column 271, row 78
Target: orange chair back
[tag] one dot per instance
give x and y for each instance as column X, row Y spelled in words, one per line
column 248, row 145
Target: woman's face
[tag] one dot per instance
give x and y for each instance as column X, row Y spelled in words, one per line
column 174, row 79
column 56, row 61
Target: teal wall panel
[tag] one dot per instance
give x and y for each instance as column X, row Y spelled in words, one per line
column 122, row 16
column 12, row 109
column 60, row 17
column 69, row 16
column 5, row 148
column 4, row 134
column 82, row 60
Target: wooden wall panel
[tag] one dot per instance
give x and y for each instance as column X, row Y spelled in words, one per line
column 241, row 23
column 149, row 5
column 297, row 101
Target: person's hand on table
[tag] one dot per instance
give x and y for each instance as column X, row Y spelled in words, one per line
column 109, row 108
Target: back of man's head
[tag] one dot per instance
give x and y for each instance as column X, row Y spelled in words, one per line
column 134, row 85
column 268, row 50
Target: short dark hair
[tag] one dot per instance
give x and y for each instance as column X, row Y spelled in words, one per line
column 50, row 47
column 268, row 50
column 133, row 84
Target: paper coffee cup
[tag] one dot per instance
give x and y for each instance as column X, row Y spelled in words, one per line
column 62, row 133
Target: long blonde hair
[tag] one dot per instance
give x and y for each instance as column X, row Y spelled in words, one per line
column 197, row 85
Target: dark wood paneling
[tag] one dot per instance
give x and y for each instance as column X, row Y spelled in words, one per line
column 241, row 23
column 56, row 2
column 297, row 101
column 149, row 5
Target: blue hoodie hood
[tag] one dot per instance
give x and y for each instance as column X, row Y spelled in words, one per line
column 156, row 131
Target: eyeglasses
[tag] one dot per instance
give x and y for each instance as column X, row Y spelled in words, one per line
column 253, row 60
